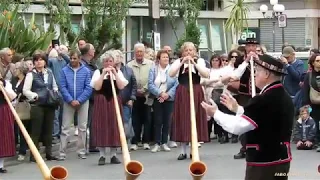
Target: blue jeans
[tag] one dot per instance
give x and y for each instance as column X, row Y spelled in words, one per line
column 57, row 122
column 127, row 123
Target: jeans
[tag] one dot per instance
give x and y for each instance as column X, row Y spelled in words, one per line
column 57, row 122
column 127, row 122
column 23, row 144
column 141, row 116
column 162, row 120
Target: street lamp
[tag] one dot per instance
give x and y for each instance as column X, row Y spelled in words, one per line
column 277, row 10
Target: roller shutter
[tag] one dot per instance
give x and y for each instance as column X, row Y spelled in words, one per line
column 294, row 33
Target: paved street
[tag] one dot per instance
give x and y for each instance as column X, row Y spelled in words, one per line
column 163, row 165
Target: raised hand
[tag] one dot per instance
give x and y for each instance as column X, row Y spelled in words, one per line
column 227, row 100
column 210, row 108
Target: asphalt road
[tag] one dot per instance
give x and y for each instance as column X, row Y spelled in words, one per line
column 163, row 165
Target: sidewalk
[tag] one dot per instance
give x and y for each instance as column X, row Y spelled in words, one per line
column 12, row 161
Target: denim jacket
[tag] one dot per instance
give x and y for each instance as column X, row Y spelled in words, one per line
column 172, row 83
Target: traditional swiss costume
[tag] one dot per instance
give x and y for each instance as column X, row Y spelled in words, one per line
column 181, row 126
column 267, row 122
column 7, row 138
column 105, row 131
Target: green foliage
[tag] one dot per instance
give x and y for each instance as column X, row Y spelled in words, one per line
column 10, row 5
column 189, row 11
column 104, row 23
column 238, row 17
column 20, row 38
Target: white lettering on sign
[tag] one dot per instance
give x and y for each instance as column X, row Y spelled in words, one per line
column 248, row 34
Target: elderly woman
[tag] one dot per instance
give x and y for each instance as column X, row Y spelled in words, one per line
column 36, row 88
column 105, row 132
column 181, row 130
column 163, row 88
column 21, row 69
column 7, row 142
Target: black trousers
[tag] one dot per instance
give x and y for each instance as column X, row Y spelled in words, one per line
column 276, row 172
column 41, row 126
column 141, row 117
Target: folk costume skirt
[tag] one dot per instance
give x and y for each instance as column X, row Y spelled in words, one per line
column 7, row 139
column 105, row 131
column 181, row 125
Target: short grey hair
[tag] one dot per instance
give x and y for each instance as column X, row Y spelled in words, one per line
column 4, row 51
column 105, row 56
column 22, row 66
column 139, row 45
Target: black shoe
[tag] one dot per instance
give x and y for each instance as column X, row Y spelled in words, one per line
column 234, row 140
column 190, row 156
column 182, row 157
column 102, row 161
column 51, row 158
column 224, row 140
column 2, row 170
column 240, row 155
column 114, row 160
column 32, row 159
column 93, row 150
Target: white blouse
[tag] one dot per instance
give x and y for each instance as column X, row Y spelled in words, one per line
column 10, row 92
column 161, row 78
column 200, row 62
column 96, row 76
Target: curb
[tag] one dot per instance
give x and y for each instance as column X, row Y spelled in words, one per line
column 12, row 161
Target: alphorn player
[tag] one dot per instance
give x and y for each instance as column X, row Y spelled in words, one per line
column 7, row 139
column 105, row 131
column 181, row 126
column 266, row 120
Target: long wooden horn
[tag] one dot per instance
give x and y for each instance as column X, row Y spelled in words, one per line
column 197, row 168
column 253, row 83
column 56, row 172
column 133, row 169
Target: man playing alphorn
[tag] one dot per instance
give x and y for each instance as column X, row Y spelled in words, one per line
column 268, row 154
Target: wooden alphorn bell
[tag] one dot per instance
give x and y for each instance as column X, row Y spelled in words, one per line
column 56, row 172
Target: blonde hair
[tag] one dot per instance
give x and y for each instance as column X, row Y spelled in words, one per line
column 188, row 44
column 149, row 54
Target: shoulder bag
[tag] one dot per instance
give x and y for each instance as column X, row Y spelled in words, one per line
column 314, row 94
column 23, row 109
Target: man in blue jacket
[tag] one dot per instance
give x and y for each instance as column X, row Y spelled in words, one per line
column 295, row 71
column 76, row 91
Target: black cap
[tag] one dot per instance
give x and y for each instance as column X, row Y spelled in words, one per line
column 251, row 41
column 271, row 63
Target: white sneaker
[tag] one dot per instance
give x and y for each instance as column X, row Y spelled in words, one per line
column 146, row 146
column 199, row 145
column 133, row 147
column 76, row 132
column 173, row 144
column 165, row 148
column 21, row 157
column 156, row 148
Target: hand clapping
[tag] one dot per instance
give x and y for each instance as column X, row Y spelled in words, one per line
column 227, row 100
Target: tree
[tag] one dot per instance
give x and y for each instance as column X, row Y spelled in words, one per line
column 10, row 5
column 189, row 11
column 238, row 19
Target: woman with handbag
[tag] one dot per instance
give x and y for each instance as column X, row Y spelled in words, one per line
column 41, row 89
column 21, row 104
column 213, row 88
column 311, row 89
column 7, row 141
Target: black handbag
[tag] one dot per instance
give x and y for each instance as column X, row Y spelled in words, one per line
column 54, row 99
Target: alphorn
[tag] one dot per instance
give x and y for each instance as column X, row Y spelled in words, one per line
column 133, row 169
column 253, row 83
column 56, row 172
column 197, row 168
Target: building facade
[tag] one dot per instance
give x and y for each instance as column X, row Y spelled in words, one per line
column 302, row 24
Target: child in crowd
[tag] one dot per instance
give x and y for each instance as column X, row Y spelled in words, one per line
column 305, row 130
